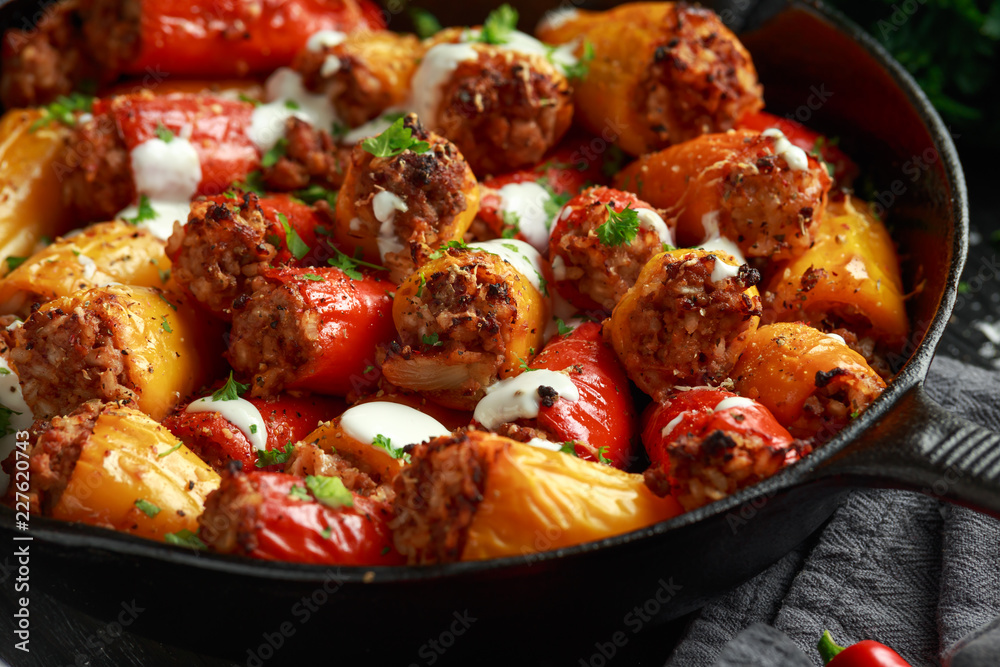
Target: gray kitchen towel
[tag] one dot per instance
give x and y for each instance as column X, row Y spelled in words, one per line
column 905, row 569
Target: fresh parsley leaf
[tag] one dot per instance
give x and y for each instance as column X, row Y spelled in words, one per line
column 5, row 414
column 231, row 390
column 349, row 265
column 229, row 194
column 368, row 369
column 64, row 110
column 14, row 262
column 511, row 224
column 165, row 325
column 431, row 339
column 569, row 447
column 385, row 443
column 602, row 455
column 254, row 183
column 169, row 451
column 292, row 104
column 448, row 245
column 424, row 23
column 563, row 328
column 299, row 493
column 144, row 213
column 330, row 491
column 147, row 508
column 396, row 139
column 295, row 244
column 315, row 193
column 163, row 133
column 270, row 457
column 4, row 371
column 523, row 365
column 581, row 67
column 164, row 275
column 253, row 429
column 251, row 100
column 854, row 415
column 184, row 538
column 498, row 25
column 275, row 153
column 420, row 285
column 327, row 532
column 313, row 277
column 668, row 248
column 620, row 228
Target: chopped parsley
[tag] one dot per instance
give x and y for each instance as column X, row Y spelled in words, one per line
column 270, row 457
column 854, row 415
column 327, row 532
column 275, row 153
column 424, row 23
column 184, row 538
column 254, row 183
column 253, row 429
column 385, row 443
column 14, row 262
column 292, row 104
column 147, row 508
column 330, row 491
column 299, row 493
column 498, row 26
column 163, row 133
column 313, row 277
column 420, row 285
column 563, row 328
column 581, row 67
column 511, row 224
column 620, row 229
column 249, row 100
column 523, row 365
column 349, row 265
column 315, row 193
column 145, row 211
column 165, row 325
column 569, row 447
column 230, row 391
column 4, row 371
column 431, row 339
column 396, row 139
column 668, row 248
column 295, row 244
column 5, row 414
column 166, row 301
column 164, row 275
column 169, row 451
column 601, row 455
column 368, row 369
column 448, row 245
column 63, row 110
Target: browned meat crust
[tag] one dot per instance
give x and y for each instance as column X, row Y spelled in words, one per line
column 504, row 110
column 227, row 524
column 309, row 459
column 53, row 452
column 274, row 335
column 700, row 80
column 311, row 157
column 437, row 496
column 97, row 174
column 75, row 41
column 703, row 471
column 220, row 253
column 686, row 329
column 65, row 359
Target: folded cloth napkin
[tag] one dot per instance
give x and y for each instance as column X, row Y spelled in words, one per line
column 915, row 573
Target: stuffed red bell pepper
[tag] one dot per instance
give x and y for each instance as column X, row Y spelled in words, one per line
column 843, row 168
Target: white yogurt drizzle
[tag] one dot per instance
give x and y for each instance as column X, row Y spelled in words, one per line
column 287, row 97
column 650, row 219
column 434, row 70
column 837, row 337
column 723, row 271
column 561, row 56
column 384, row 205
column 322, row 40
column 517, row 397
column 168, row 174
column 239, row 412
column 527, row 202
column 557, row 18
column 519, row 254
column 794, row 156
column 21, row 416
column 402, row 424
column 542, row 443
column 89, row 266
column 729, row 403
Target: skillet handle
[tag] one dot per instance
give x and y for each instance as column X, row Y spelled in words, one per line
column 919, row 445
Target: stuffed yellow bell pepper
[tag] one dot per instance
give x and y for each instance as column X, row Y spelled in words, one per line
column 102, row 253
column 478, row 495
column 114, row 343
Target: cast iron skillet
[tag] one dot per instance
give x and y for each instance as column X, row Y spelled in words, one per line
column 813, row 63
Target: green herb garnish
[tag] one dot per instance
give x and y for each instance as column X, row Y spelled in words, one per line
column 620, row 229
column 230, row 391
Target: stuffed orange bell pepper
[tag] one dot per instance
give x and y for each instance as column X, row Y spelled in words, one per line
column 466, row 319
column 119, row 469
column 841, row 167
column 706, row 444
column 316, row 519
column 755, row 189
column 314, row 329
column 685, row 321
column 849, row 278
column 477, row 495
column 99, row 254
column 661, row 73
column 811, row 382
column 114, row 343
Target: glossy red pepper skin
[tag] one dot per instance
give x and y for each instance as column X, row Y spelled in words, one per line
column 844, row 169
column 868, row 653
column 288, row 529
column 696, row 409
column 605, row 414
column 301, row 217
column 287, row 418
column 355, row 317
column 222, row 38
column 218, row 131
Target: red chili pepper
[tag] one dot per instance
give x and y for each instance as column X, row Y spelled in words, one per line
column 694, row 412
column 355, row 317
column 287, row 419
column 867, row 653
column 844, row 169
column 288, row 528
column 604, row 417
column 302, row 219
column 237, row 37
column 218, row 130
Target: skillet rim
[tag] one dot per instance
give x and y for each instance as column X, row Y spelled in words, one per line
column 91, row 538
